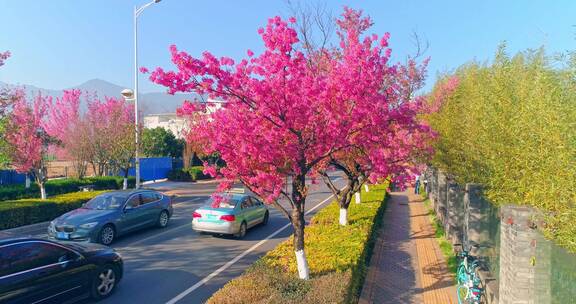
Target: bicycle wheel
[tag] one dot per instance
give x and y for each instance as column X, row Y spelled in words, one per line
column 462, row 294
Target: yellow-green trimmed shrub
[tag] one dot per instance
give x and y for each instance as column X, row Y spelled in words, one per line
column 337, row 256
column 30, row 211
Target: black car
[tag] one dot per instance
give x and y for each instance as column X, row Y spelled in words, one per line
column 45, row 271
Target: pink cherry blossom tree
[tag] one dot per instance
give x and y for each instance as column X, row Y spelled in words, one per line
column 285, row 118
column 103, row 136
column 3, row 57
column 27, row 138
column 111, row 128
column 69, row 128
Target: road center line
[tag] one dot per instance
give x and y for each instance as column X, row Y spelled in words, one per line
column 237, row 258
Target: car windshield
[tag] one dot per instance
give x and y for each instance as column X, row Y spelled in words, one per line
column 105, row 202
column 226, row 202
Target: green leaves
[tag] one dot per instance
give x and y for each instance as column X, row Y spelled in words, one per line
column 510, row 126
column 159, row 142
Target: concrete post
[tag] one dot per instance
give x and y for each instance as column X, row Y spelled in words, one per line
column 455, row 213
column 440, row 206
column 524, row 259
column 475, row 217
column 433, row 187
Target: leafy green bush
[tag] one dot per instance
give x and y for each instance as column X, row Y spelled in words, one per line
column 179, row 175
column 15, row 213
column 509, row 126
column 338, row 258
column 197, row 173
column 60, row 186
column 186, row 175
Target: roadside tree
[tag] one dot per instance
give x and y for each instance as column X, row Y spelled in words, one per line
column 284, row 117
column 27, row 139
column 69, row 129
column 111, row 130
column 159, row 142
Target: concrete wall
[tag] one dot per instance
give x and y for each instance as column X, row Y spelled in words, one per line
column 524, row 259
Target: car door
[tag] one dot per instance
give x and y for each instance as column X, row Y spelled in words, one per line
column 151, row 207
column 40, row 272
column 259, row 209
column 133, row 217
column 252, row 213
column 245, row 211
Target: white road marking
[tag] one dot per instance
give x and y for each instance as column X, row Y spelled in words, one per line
column 237, row 258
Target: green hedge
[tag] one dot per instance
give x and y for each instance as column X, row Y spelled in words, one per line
column 61, row 186
column 338, row 258
column 15, row 213
column 191, row 174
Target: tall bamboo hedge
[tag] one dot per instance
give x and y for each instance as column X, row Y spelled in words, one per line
column 510, row 125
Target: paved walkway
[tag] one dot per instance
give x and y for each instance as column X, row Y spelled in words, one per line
column 407, row 265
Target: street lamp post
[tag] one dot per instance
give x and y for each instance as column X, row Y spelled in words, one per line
column 129, row 95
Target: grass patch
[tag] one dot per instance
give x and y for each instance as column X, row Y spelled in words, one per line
column 338, row 258
column 440, row 233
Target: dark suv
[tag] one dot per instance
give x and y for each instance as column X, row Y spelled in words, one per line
column 44, row 271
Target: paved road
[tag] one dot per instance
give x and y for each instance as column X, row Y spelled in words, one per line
column 178, row 265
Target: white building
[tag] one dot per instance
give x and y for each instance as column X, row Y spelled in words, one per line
column 174, row 123
column 168, row 121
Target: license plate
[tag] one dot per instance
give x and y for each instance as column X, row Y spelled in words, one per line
column 62, row 235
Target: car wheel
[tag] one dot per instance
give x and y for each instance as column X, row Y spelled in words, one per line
column 266, row 217
column 242, row 232
column 104, row 282
column 107, row 235
column 163, row 219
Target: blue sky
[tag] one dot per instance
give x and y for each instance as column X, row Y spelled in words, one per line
column 61, row 43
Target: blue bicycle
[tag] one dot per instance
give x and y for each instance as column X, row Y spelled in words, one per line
column 469, row 289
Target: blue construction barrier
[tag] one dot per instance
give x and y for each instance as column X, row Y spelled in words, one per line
column 152, row 168
column 11, row 177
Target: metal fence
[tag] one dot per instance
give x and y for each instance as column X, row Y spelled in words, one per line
column 11, row 177
column 152, row 168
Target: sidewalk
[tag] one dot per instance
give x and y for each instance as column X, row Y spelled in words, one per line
column 407, row 265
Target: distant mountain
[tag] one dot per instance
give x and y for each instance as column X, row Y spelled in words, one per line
column 149, row 103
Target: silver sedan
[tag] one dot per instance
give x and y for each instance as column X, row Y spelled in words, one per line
column 233, row 215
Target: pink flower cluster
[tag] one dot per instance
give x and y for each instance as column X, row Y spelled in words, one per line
column 285, row 117
column 3, row 57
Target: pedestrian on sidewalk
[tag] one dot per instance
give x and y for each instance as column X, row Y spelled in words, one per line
column 417, row 185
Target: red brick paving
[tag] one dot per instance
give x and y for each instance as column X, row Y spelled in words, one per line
column 407, row 265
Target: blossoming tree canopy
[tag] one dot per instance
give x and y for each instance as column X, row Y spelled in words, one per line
column 26, row 136
column 3, row 57
column 283, row 116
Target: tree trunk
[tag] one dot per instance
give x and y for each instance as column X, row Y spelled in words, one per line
column 366, row 188
column 125, row 184
column 343, row 217
column 346, row 198
column 40, row 175
column 298, row 222
column 42, row 191
column 27, row 181
column 358, row 198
